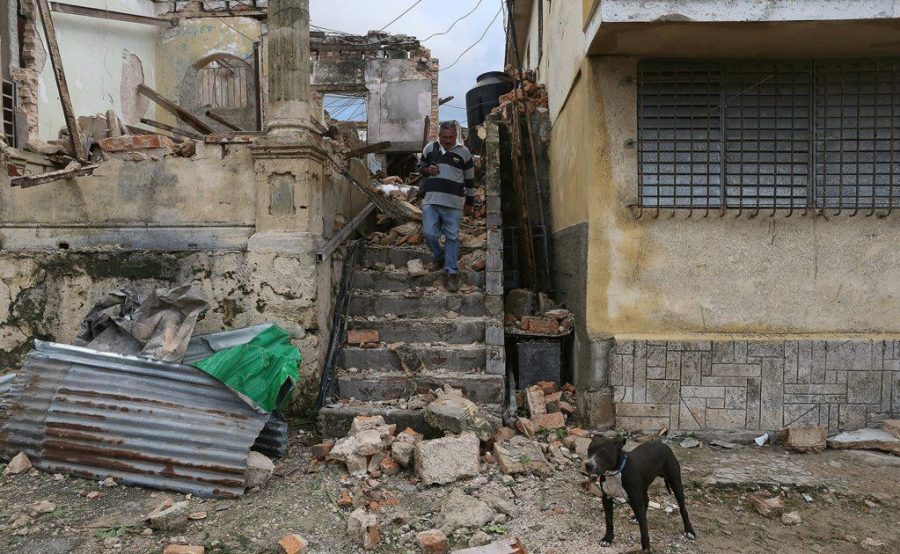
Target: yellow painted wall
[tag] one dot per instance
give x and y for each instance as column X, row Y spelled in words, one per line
column 678, row 277
column 193, row 40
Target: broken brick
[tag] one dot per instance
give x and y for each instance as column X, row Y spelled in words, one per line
column 321, row 450
column 526, row 427
column 579, row 432
column 135, row 142
column 541, row 325
column 549, row 387
column 292, row 544
column 537, row 404
column 433, row 541
column 551, row 421
column 389, row 466
column 362, row 336
column 184, row 549
column 504, row 434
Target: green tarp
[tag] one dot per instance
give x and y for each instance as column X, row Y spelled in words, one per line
column 258, row 369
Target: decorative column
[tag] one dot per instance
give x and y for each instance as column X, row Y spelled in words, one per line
column 289, row 159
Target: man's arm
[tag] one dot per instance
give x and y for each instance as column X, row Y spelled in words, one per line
column 424, row 161
column 469, row 176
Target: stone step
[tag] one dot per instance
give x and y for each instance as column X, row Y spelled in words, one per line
column 410, row 304
column 365, row 279
column 448, row 357
column 459, row 330
column 478, row 387
column 372, row 255
column 335, row 419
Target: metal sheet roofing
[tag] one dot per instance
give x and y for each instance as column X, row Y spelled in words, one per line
column 143, row 422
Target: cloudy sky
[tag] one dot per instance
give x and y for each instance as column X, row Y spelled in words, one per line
column 426, row 18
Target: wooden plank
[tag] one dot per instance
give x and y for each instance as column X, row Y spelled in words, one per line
column 427, row 132
column 342, row 235
column 60, row 76
column 169, row 128
column 173, row 108
column 216, row 117
column 369, row 149
column 74, row 169
column 109, row 14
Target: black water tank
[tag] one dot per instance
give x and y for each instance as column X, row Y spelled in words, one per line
column 486, row 96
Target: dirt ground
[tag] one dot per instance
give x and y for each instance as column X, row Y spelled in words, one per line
column 852, row 505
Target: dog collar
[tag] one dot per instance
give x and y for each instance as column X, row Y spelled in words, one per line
column 620, row 468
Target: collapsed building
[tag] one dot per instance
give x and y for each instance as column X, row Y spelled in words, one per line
column 210, row 158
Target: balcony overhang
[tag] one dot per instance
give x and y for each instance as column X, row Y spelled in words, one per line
column 771, row 39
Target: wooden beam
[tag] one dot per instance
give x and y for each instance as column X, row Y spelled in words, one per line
column 172, row 107
column 108, row 14
column 370, row 149
column 169, row 128
column 216, row 117
column 60, row 75
column 74, row 169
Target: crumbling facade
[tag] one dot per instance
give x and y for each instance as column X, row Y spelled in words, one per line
column 722, row 221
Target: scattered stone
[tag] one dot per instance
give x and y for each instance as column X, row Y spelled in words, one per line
column 537, row 403
column 21, row 521
column 363, row 529
column 363, row 336
column 579, row 432
column 410, row 360
column 520, row 455
column 503, row 434
column 723, row 444
column 416, row 268
column 551, row 421
column 109, row 482
column 500, row 504
column 445, row 460
column 462, row 510
column 805, row 439
column 526, row 427
column 197, row 516
column 370, row 442
column 259, row 469
column 791, row 518
column 184, row 549
column 345, row 500
column 292, row 544
column 92, row 495
column 455, row 414
column 690, row 443
column 869, row 542
column 321, row 450
column 762, row 439
column 168, row 517
column 433, row 541
column 892, row 426
column 43, row 507
column 389, row 466
column 503, row 546
column 866, row 439
column 18, row 465
column 480, row 538
column 768, row 507
column 807, row 497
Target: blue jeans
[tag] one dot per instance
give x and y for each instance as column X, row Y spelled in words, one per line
column 437, row 221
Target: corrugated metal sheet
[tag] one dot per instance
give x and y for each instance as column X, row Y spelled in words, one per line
column 143, row 422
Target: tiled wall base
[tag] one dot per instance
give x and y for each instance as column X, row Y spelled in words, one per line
column 754, row 385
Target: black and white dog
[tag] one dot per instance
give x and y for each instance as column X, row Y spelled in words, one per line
column 628, row 475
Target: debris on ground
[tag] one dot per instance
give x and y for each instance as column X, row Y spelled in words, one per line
column 866, row 439
column 448, row 459
column 805, row 439
column 18, row 465
column 362, row 527
column 452, row 412
column 259, row 470
column 791, row 518
column 292, row 544
column 521, row 455
column 433, row 541
column 767, row 506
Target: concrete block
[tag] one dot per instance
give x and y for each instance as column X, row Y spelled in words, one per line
column 656, row 372
column 735, row 398
column 663, row 392
column 772, row 393
column 493, row 333
column 765, row 349
column 494, row 261
column 656, row 357
column 495, row 239
column 739, row 370
column 852, row 355
column 445, row 460
column 691, row 366
column 852, row 416
column 728, row 420
column 718, row 403
column 642, row 410
column 673, row 365
column 864, row 387
column 804, row 415
column 640, row 371
column 493, row 306
column 493, row 283
column 692, row 414
column 702, row 392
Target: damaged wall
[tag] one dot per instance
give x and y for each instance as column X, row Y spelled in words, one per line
column 98, row 58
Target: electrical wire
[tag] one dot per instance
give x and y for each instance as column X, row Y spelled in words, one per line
column 454, row 23
column 474, row 44
column 409, row 9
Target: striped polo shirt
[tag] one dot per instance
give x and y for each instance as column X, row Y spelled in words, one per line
column 454, row 186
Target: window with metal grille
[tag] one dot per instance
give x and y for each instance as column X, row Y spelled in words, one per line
column 787, row 134
column 9, row 113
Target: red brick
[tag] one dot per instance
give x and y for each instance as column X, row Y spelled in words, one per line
column 389, row 466
column 526, row 427
column 551, row 421
column 579, row 432
column 292, row 544
column 542, row 325
column 135, row 142
column 362, row 336
column 433, row 541
column 537, row 403
column 321, row 450
column 549, row 387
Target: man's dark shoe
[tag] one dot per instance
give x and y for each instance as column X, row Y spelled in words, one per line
column 436, row 265
column 451, row 282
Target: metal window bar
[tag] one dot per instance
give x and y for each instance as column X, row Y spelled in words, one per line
column 8, row 113
column 780, row 135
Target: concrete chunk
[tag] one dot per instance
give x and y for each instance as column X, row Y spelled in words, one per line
column 363, row 529
column 18, row 465
column 455, row 414
column 445, row 460
column 866, row 439
column 520, row 455
column 433, row 541
column 462, row 510
column 259, row 470
column 806, row 439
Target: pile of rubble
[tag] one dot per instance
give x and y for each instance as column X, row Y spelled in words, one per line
column 536, row 314
column 528, row 95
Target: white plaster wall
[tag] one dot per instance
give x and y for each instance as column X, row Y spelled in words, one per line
column 93, row 51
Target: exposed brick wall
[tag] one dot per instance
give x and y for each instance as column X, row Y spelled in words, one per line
column 755, row 385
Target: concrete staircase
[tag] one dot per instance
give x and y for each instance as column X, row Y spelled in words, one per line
column 448, row 331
